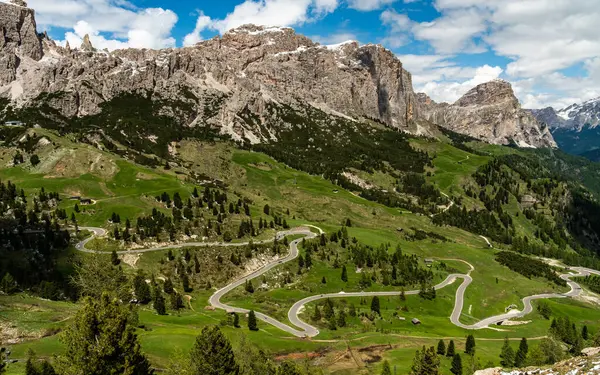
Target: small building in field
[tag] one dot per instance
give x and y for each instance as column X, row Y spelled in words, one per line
column 429, row 262
column 416, row 321
column 85, row 201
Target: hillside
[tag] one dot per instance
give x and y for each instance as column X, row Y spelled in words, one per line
column 261, row 204
column 489, row 112
column 471, row 173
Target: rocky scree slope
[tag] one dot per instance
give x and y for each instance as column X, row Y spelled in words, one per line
column 228, row 83
column 489, row 112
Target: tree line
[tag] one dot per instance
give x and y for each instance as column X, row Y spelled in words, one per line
column 529, row 267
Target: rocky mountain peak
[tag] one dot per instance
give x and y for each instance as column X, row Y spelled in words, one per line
column 247, row 69
column 575, row 117
column 490, row 112
column 489, row 93
column 86, row 45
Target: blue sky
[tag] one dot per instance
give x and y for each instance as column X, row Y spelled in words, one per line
column 548, row 49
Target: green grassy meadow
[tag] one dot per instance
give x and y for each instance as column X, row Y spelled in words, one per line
column 129, row 190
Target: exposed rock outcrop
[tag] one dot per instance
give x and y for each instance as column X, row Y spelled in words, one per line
column 18, row 39
column 86, row 45
column 248, row 66
column 244, row 71
column 490, row 112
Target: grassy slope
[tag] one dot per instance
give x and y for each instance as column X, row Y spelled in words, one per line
column 315, row 200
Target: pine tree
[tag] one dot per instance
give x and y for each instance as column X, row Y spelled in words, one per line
column 375, row 305
column 159, row 304
column 426, row 362
column 249, row 286
column 47, row 369
column 344, row 274
column 100, row 329
column 252, row 323
column 470, row 345
column 212, row 354
column 323, row 280
column 456, row 368
column 8, row 284
column 451, row 349
column 176, row 301
column 141, row 289
column 521, row 354
column 168, row 286
column 317, row 314
column 328, row 309
column 307, row 260
column 114, row 258
column 352, row 311
column 185, row 281
column 236, row 320
column 332, row 325
column 507, row 355
column 584, row 333
column 441, row 348
column 30, row 368
column 386, row 368
column 341, row 322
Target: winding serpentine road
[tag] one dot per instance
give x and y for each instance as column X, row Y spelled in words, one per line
column 304, row 329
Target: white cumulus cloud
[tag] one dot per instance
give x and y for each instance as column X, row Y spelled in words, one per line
column 110, row 24
column 266, row 13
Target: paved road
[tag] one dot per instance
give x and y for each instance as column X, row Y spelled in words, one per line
column 303, row 329
column 215, row 299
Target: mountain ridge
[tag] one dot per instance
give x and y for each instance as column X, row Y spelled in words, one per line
column 217, row 80
column 490, row 112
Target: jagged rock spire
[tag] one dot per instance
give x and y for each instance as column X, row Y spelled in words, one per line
column 87, row 45
column 68, row 46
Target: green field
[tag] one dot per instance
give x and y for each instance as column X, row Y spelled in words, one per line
column 129, row 189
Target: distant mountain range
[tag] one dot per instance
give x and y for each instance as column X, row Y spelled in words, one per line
column 575, row 128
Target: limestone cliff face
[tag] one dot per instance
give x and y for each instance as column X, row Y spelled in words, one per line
column 18, row 40
column 249, row 66
column 245, row 70
column 489, row 112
